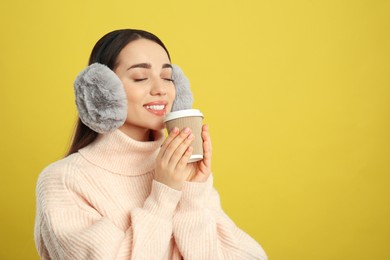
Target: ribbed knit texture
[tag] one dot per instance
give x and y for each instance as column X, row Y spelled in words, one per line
column 103, row 203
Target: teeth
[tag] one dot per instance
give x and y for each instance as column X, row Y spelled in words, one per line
column 156, row 107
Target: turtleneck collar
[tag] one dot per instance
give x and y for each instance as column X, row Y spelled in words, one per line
column 118, row 153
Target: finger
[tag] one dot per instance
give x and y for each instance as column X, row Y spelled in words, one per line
column 207, row 149
column 206, row 135
column 180, row 151
column 175, row 143
column 182, row 163
column 174, row 132
column 207, row 154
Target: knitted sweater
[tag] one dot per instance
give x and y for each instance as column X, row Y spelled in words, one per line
column 103, row 203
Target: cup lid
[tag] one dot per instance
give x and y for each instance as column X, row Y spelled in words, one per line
column 182, row 113
column 195, row 158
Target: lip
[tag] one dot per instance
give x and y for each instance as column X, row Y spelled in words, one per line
column 157, row 103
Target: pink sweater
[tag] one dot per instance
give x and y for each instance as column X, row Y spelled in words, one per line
column 102, row 203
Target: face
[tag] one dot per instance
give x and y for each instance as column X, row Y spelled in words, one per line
column 146, row 73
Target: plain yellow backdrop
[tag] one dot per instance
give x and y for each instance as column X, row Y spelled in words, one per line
column 296, row 94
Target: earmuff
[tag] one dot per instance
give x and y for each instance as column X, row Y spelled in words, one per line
column 100, row 98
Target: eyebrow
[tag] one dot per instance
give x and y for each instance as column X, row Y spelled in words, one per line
column 148, row 66
column 167, row 65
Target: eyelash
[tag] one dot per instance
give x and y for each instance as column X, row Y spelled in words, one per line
column 139, row 80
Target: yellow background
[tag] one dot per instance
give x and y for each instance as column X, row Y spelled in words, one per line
column 296, row 93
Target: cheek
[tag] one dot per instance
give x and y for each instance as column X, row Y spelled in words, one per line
column 134, row 95
column 171, row 93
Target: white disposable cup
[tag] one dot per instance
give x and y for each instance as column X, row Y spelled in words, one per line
column 193, row 119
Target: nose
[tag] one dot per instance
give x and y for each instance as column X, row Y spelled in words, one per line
column 158, row 88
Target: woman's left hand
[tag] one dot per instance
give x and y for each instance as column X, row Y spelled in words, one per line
column 201, row 170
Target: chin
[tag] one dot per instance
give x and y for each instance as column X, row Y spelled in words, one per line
column 157, row 127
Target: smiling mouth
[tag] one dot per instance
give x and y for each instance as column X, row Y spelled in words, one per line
column 156, row 107
column 158, row 110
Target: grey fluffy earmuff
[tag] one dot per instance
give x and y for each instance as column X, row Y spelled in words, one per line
column 101, row 99
column 183, row 99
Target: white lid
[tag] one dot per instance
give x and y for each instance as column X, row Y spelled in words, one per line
column 195, row 158
column 182, row 113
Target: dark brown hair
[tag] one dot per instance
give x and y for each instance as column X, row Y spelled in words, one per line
column 106, row 52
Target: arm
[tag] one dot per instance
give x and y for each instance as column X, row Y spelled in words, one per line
column 68, row 227
column 203, row 231
column 153, row 224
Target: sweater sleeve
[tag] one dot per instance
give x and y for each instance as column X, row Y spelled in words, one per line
column 153, row 224
column 66, row 228
column 203, row 231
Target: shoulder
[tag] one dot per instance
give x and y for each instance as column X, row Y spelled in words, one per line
column 58, row 185
column 59, row 176
column 59, row 169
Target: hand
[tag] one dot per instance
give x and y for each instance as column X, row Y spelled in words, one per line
column 171, row 163
column 201, row 170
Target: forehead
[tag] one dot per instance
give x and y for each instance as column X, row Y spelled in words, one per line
column 142, row 51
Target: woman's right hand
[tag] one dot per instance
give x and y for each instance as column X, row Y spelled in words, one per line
column 171, row 163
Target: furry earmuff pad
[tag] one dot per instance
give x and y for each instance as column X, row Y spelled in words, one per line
column 100, row 98
column 184, row 97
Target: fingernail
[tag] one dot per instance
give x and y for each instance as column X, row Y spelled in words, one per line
column 175, row 130
column 190, row 136
column 186, row 130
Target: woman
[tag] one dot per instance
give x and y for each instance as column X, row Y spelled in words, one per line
column 128, row 193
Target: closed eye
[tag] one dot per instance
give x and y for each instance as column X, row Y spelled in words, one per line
column 168, row 79
column 138, row 80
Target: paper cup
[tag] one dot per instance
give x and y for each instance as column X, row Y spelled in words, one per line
column 193, row 119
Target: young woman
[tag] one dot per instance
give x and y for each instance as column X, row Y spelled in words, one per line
column 128, row 193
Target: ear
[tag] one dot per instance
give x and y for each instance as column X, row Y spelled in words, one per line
column 183, row 98
column 100, row 98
